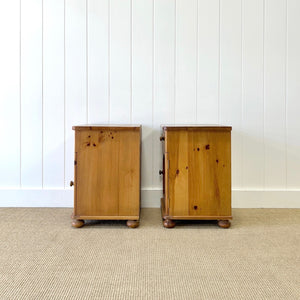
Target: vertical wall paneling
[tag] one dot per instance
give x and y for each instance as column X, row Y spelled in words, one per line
column 10, row 93
column 98, row 58
column 31, row 93
column 53, row 93
column 293, row 95
column 164, row 76
column 186, row 61
column 75, row 77
column 150, row 62
column 120, row 61
column 208, row 62
column 252, row 94
column 231, row 80
column 275, row 93
column 142, row 80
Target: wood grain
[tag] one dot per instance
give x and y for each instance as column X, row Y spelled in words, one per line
column 178, row 172
column 198, row 181
column 107, row 173
column 107, row 217
column 129, row 170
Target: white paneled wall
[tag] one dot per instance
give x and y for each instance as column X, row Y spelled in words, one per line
column 253, row 94
column 293, row 95
column 53, row 94
column 142, row 79
column 149, row 62
column 31, row 94
column 208, row 61
column 230, row 89
column 10, row 83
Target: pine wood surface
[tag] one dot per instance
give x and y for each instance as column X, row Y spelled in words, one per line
column 197, row 172
column 106, row 127
column 107, row 173
column 196, row 127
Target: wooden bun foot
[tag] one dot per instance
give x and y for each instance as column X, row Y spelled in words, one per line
column 224, row 223
column 169, row 223
column 132, row 223
column 77, row 223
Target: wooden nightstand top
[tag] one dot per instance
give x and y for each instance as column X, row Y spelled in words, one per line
column 196, row 127
column 106, row 126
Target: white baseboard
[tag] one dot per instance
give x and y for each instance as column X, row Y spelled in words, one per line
column 36, row 197
column 149, row 198
column 266, row 199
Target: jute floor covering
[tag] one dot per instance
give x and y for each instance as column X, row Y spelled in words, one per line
column 43, row 257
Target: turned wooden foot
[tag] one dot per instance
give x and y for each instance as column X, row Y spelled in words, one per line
column 132, row 223
column 169, row 223
column 224, row 223
column 77, row 223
